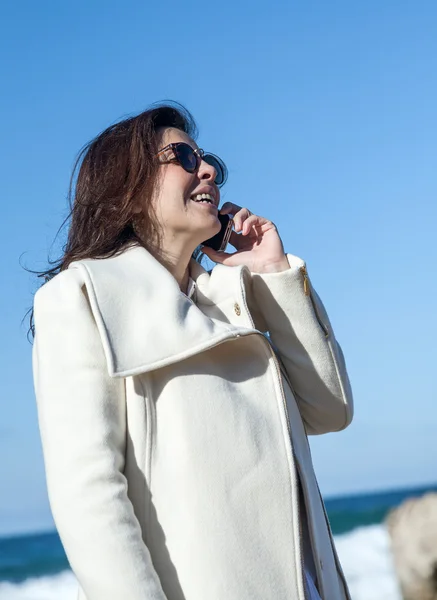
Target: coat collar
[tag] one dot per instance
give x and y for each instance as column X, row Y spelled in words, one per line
column 145, row 321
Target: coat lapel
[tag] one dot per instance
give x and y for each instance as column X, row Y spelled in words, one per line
column 145, row 321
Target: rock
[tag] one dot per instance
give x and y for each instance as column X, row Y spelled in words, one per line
column 413, row 531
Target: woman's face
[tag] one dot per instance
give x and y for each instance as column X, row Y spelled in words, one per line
column 183, row 220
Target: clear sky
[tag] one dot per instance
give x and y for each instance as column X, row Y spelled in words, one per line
column 325, row 113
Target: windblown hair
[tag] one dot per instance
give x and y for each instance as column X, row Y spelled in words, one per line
column 110, row 174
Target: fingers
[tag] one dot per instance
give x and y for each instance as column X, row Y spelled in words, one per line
column 239, row 214
column 250, row 223
column 229, row 208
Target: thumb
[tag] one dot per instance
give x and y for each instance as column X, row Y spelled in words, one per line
column 214, row 255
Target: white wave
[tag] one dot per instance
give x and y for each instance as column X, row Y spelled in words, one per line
column 56, row 587
column 364, row 554
column 366, row 559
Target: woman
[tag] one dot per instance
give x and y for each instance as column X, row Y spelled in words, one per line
column 173, row 425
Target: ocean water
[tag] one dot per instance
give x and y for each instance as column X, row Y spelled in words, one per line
column 34, row 567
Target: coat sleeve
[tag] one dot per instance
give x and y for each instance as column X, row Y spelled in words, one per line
column 82, row 419
column 286, row 305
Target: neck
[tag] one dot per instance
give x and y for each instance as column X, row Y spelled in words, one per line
column 176, row 260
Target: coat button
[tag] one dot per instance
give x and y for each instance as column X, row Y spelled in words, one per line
column 237, row 309
column 321, row 564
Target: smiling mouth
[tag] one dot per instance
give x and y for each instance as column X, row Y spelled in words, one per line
column 203, row 199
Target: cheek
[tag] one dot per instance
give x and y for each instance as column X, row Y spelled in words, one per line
column 172, row 190
column 172, row 196
column 178, row 182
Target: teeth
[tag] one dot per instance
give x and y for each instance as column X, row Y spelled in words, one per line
column 203, row 198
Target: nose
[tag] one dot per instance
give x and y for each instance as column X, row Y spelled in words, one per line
column 206, row 172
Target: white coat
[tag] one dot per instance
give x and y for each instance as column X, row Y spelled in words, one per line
column 174, row 432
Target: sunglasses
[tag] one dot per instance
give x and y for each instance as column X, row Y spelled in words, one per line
column 189, row 159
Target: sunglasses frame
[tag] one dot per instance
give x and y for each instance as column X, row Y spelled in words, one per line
column 200, row 155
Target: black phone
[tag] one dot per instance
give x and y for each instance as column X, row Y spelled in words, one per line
column 220, row 240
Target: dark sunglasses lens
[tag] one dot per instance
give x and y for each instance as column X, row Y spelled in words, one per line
column 186, row 157
column 219, row 167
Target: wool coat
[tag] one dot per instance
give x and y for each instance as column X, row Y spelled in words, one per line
column 174, row 431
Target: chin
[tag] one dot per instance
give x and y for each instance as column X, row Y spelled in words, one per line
column 205, row 233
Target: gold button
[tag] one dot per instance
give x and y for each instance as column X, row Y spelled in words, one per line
column 237, row 309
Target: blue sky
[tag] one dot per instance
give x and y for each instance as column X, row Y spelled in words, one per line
column 325, row 113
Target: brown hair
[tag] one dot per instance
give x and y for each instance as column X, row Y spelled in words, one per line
column 110, row 173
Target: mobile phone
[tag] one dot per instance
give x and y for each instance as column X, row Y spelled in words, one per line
column 220, row 240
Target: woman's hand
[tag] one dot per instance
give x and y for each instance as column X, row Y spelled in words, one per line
column 256, row 240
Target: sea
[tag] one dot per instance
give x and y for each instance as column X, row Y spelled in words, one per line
column 34, row 566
